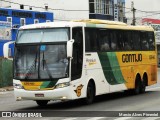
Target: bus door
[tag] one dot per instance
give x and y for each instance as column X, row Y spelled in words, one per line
column 77, row 61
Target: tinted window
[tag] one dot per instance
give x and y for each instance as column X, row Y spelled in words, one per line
column 151, row 40
column 91, row 36
column 77, row 61
column 104, row 40
column 144, row 41
column 136, row 40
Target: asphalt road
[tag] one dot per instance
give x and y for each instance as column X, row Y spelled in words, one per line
column 150, row 101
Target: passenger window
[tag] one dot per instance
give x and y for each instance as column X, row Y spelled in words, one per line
column 136, row 39
column 91, row 40
column 144, row 41
column 113, row 40
column 104, row 40
column 151, row 40
column 128, row 45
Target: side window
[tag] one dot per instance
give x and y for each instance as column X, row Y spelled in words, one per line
column 144, row 41
column 128, row 41
column 77, row 61
column 104, row 40
column 136, row 39
column 91, row 37
column 151, row 40
column 120, row 42
column 113, row 37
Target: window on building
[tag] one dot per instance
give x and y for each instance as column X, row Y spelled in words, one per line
column 36, row 21
column 100, row 6
column 91, row 6
column 22, row 21
column 9, row 19
column 21, row 6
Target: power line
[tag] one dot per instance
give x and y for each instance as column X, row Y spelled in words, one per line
column 79, row 10
column 42, row 7
column 109, row 5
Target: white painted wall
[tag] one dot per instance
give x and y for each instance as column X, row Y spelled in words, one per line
column 5, row 4
column 58, row 4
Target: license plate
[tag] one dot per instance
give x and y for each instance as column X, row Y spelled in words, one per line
column 39, row 95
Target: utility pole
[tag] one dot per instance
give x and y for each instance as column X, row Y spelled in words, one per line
column 121, row 11
column 133, row 10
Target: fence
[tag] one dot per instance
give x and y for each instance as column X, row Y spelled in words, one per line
column 6, row 68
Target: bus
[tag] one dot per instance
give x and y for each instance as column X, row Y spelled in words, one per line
column 82, row 59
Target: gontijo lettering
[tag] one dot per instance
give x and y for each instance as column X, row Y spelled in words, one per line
column 131, row 58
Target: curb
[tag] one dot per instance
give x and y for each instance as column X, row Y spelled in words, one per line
column 4, row 89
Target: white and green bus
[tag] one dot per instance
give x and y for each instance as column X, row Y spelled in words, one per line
column 82, row 59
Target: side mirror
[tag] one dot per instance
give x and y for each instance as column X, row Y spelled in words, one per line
column 6, row 49
column 70, row 48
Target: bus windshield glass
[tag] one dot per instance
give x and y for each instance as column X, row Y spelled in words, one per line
column 40, row 62
column 41, row 54
column 42, row 35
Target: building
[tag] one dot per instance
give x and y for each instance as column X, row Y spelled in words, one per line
column 75, row 9
column 12, row 19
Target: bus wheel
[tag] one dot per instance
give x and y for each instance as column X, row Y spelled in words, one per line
column 143, row 87
column 138, row 86
column 90, row 93
column 42, row 103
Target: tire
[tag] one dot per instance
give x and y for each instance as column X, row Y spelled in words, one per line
column 42, row 103
column 143, row 87
column 138, row 87
column 90, row 93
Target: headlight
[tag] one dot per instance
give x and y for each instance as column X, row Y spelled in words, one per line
column 61, row 85
column 18, row 86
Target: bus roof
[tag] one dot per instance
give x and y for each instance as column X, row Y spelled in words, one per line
column 89, row 23
column 96, row 21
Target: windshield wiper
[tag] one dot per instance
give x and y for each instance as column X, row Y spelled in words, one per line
column 46, row 66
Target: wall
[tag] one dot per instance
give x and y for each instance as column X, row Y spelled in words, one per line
column 16, row 16
column 69, row 5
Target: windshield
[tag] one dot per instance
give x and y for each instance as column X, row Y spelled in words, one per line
column 40, row 62
column 43, row 35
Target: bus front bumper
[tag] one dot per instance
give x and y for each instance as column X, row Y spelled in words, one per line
column 56, row 94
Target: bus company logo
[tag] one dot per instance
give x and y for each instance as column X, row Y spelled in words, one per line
column 131, row 58
column 78, row 90
column 91, row 61
column 6, row 114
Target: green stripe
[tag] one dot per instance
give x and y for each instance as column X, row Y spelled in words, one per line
column 48, row 84
column 111, row 68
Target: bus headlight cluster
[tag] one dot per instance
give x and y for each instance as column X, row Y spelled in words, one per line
column 61, row 85
column 18, row 86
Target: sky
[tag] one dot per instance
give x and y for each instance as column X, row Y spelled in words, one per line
column 144, row 5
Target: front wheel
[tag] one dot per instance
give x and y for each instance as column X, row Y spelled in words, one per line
column 90, row 93
column 42, row 103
